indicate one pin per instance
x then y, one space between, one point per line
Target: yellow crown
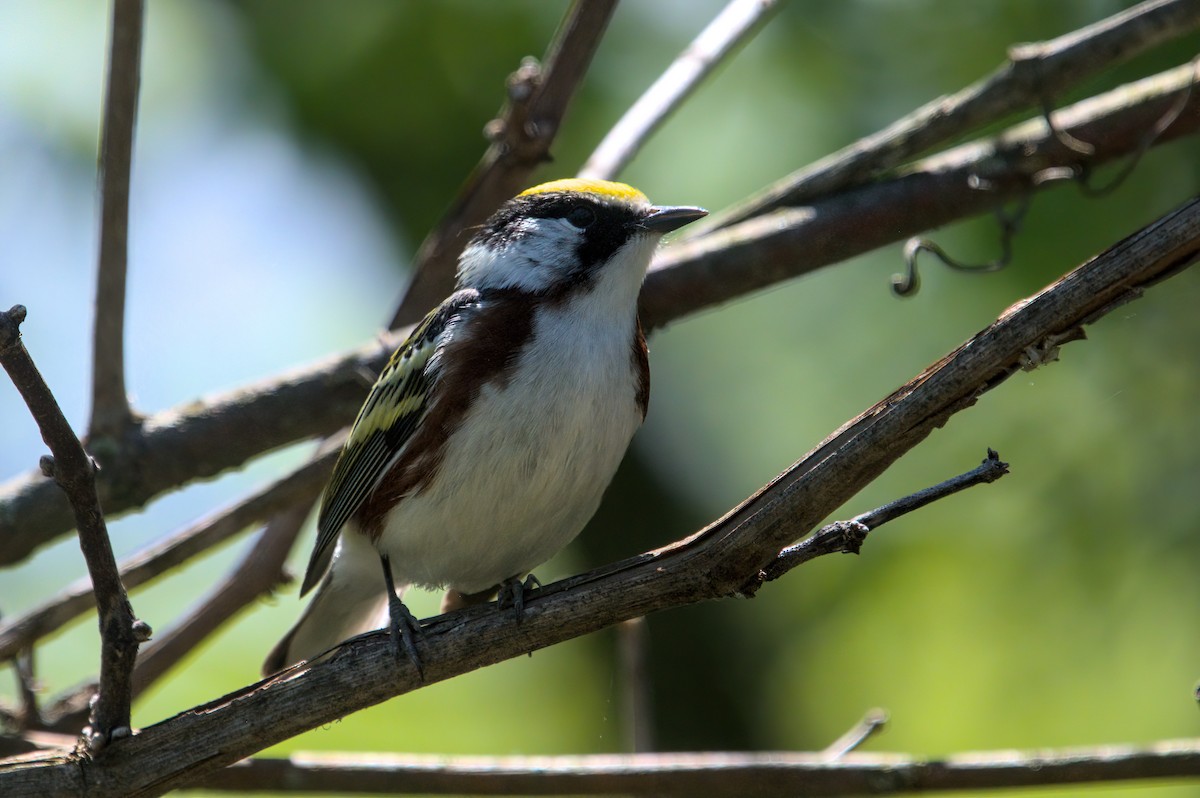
601 188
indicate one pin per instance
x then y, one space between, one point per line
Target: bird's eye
581 216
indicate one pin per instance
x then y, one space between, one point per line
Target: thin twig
74 472
767 774
848 536
111 414
203 438
538 98
1033 73
736 24
30 715
712 563
163 555
867 727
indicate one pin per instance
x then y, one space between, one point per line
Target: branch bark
1033 75
767 774
956 184
737 23
111 414
204 438
73 471
716 562
538 97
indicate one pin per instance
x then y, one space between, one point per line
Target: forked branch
74 471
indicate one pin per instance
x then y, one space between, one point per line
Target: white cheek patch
535 260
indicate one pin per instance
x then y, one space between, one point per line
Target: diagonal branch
736 24
715 562
538 97
74 472
111 414
956 184
1033 74
771 774
206 437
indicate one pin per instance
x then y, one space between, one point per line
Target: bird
491 434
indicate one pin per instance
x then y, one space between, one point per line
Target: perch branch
538 97
74 472
111 414
715 562
736 24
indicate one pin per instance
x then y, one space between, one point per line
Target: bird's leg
512 593
403 626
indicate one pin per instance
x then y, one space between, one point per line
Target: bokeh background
291 155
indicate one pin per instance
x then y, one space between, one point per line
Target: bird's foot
404 629
403 626
512 594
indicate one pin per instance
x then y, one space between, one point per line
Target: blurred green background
290 157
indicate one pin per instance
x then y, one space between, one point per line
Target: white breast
526 469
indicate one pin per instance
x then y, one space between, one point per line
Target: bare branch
74 472
848 536
204 438
956 184
867 727
166 554
713 563
736 24
111 414
1034 74
1028 333
767 774
30 715
521 137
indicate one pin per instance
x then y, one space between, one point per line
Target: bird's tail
350 600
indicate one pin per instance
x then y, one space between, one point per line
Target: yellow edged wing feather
394 409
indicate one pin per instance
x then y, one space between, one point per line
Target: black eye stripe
610 226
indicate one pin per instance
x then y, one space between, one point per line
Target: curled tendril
909 282
1082 173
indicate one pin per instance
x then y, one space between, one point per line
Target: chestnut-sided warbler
486 443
